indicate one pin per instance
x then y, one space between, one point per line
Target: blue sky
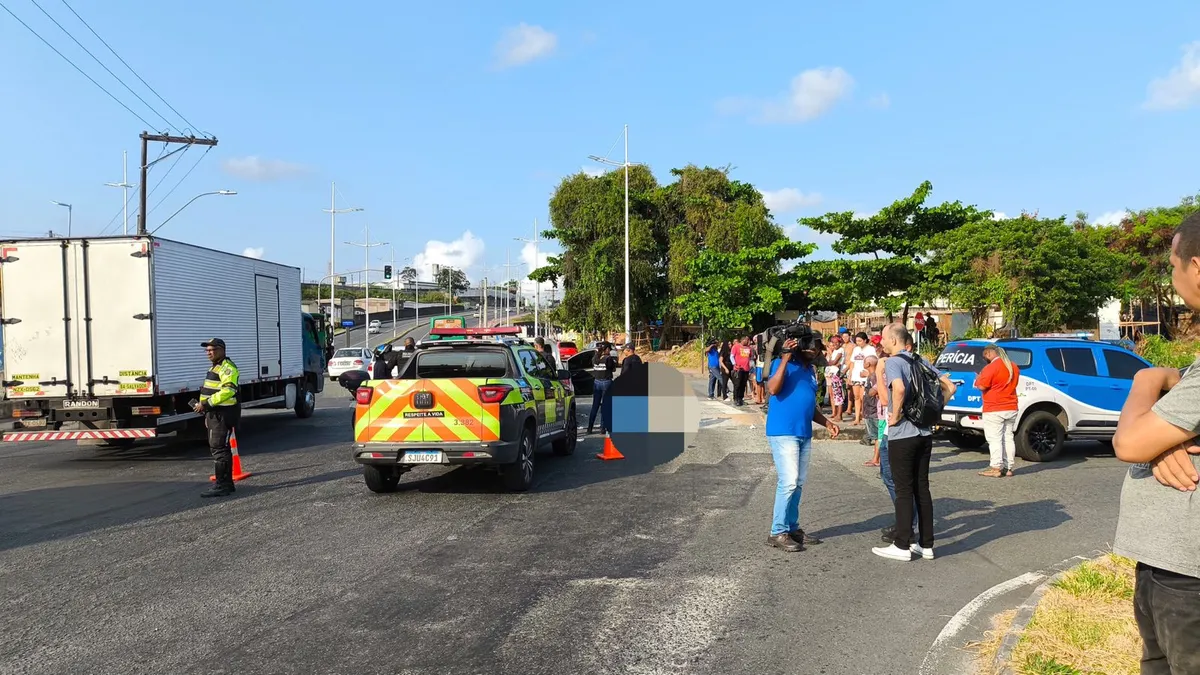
461 118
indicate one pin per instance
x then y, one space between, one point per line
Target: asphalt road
354 336
110 562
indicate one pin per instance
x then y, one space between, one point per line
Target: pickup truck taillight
493 393
362 395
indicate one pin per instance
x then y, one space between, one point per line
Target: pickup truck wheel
380 480
306 401
566 445
518 476
1040 437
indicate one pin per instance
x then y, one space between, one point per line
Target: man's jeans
885 472
791 454
714 380
1000 429
601 404
1167 608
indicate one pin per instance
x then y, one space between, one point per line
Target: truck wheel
1040 437
380 480
566 445
518 476
965 441
306 401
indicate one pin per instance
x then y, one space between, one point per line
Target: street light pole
537 287
367 245
333 211
626 164
124 185
69 209
202 194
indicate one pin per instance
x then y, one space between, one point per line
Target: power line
135 74
158 184
180 182
106 68
72 63
128 200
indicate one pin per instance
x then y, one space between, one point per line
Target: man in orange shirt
998 383
741 354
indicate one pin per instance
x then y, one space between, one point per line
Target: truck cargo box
84 318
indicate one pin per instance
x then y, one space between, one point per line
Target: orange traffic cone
238 474
610 450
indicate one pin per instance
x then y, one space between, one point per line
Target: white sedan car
374 326
351 358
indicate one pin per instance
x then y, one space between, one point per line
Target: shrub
1168 353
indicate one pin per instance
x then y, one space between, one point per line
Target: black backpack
923 400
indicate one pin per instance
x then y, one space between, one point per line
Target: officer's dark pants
221 422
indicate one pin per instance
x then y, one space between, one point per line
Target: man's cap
876 339
215 342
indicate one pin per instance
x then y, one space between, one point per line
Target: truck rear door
36 302
113 290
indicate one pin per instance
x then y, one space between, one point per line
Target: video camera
802 333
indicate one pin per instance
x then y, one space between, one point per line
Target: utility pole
366 245
392 283
147 138
124 185
333 211
537 288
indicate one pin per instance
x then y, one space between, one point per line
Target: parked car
350 358
1069 389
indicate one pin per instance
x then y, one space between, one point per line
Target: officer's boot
224 483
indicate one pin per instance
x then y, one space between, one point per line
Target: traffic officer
222 412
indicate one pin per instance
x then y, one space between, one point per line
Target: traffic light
387 271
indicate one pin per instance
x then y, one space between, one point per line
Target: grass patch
986 649
1168 353
1084 624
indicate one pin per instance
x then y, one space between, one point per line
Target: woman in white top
833 378
858 372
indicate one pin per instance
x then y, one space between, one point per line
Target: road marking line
963 617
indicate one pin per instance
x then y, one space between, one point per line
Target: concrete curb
1001 663
752 413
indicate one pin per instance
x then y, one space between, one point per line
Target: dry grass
986 649
1084 624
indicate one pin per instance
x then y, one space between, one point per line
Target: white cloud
1180 88
594 171
863 215
524 44
999 215
262 170
251 252
786 200
462 253
1111 218
813 93
881 101
528 287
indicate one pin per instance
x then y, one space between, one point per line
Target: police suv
1069 388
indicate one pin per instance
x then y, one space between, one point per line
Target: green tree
455 279
742 289
408 275
896 244
1044 274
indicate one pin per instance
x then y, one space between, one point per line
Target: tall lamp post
69 208
333 212
626 164
366 245
537 287
227 193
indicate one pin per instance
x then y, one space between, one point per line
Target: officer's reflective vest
220 385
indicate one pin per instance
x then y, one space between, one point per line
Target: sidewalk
753 415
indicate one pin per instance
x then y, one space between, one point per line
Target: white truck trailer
101 335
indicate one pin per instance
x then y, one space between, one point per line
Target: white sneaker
892 552
926 553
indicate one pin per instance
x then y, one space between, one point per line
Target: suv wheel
518 476
380 480
566 445
965 441
1040 437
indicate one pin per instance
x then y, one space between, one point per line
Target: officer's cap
215 342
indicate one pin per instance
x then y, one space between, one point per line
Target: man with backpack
917 393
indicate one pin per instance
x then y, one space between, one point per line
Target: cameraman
791 412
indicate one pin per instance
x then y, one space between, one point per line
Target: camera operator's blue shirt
790 412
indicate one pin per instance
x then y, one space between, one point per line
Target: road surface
354 336
111 563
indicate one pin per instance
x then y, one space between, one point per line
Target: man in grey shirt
1159 522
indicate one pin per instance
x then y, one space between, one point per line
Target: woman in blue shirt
791 413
